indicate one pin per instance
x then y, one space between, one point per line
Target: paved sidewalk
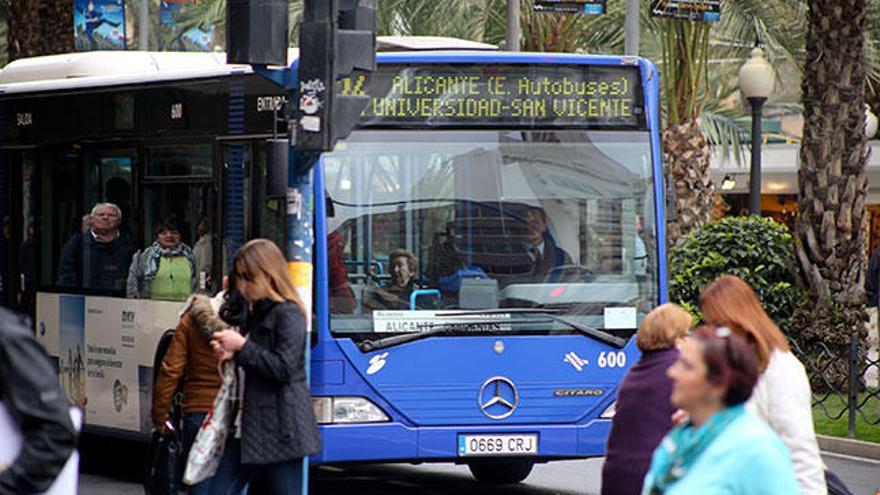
850 447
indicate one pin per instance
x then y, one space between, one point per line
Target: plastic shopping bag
207 449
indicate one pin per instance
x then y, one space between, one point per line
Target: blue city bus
486 241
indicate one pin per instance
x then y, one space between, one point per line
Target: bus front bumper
395 442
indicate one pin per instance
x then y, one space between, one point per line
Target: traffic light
336 38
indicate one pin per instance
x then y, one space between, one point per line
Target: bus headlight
329 410
608 413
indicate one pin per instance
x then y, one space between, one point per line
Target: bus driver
543 251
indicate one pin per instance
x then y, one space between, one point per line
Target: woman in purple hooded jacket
643 411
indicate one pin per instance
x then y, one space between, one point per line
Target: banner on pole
692 10
99 24
589 7
197 39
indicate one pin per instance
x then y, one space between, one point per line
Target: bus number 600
612 359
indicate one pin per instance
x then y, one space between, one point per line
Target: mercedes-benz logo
498 397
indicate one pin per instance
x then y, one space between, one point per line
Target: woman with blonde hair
782 396
275 425
643 410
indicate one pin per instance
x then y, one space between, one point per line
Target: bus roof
113 68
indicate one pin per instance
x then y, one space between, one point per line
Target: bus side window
90 253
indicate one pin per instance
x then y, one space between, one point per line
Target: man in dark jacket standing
100 257
30 392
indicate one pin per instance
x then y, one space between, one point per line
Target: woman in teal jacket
721 449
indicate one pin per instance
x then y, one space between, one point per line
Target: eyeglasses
243 276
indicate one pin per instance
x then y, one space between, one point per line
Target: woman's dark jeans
232 477
191 424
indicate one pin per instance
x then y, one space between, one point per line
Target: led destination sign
500 96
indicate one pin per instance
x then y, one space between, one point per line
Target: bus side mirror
276 167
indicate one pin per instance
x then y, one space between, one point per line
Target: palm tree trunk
39 27
832 227
687 153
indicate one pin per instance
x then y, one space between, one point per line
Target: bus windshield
428 225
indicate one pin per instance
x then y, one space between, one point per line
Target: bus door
247 211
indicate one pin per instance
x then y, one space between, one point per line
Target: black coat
89 264
30 391
277 420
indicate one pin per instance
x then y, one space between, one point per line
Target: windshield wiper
458 326
551 313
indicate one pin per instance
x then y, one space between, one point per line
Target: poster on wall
197 39
111 364
99 24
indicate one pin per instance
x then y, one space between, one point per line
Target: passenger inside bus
341 296
85 222
99 258
164 270
397 291
203 253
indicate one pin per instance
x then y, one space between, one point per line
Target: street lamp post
513 27
756 83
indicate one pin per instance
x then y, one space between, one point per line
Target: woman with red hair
782 396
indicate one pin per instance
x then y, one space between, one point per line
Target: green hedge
758 250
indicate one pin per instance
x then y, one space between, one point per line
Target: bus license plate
497 445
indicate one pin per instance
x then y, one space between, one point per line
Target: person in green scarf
165 269
721 448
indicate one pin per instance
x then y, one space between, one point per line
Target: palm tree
37 27
687 49
831 180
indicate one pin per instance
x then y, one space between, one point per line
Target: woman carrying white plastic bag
206 451
275 426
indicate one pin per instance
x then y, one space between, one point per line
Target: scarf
682 446
155 253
